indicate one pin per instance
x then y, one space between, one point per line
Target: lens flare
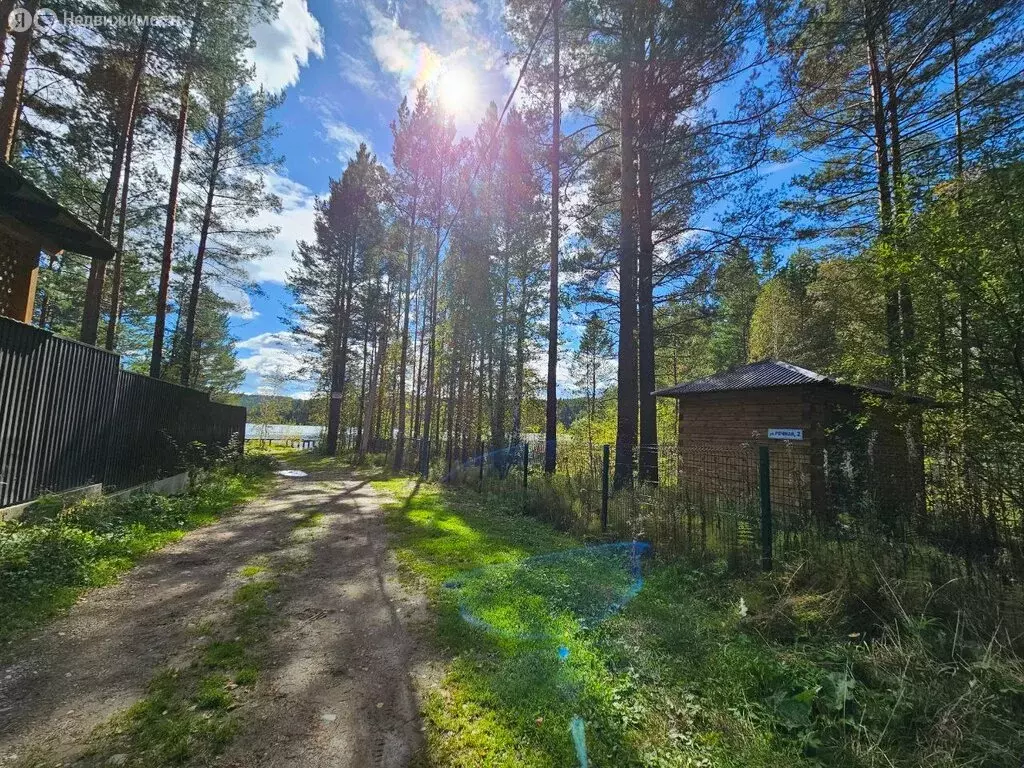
456 89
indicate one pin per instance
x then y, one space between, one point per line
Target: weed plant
60 548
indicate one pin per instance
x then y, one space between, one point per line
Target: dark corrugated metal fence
69 416
155 422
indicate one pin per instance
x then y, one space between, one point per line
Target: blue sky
345 66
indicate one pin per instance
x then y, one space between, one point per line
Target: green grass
438 538
310 520
189 715
686 674
57 551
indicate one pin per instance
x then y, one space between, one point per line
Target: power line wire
497 128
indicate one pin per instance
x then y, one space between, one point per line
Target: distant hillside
569 408
277 409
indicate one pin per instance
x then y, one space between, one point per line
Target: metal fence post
764 484
526 465
605 461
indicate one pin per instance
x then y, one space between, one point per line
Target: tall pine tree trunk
963 287
383 370
204 233
363 410
181 130
551 401
501 396
648 464
628 404
520 384
373 407
346 324
14 85
420 311
884 190
6 7
465 405
962 278
428 407
97 269
122 224
404 363
334 404
453 402
480 404
900 212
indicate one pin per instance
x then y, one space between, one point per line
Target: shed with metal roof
835 443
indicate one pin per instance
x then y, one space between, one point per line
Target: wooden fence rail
69 416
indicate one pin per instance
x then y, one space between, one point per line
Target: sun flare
456 88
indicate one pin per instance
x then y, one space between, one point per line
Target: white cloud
455 14
242 305
611 283
538 363
294 223
773 168
284 45
345 137
247 313
357 72
273 354
399 53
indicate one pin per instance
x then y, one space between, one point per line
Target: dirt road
335 686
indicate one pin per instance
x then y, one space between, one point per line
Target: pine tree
333 269
230 166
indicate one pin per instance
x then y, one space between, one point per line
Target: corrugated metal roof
766 374
760 375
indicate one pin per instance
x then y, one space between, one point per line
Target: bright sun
457 90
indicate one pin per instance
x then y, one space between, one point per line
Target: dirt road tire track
335 689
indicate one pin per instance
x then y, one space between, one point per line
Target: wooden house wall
19 268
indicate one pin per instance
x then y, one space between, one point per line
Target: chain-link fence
750 505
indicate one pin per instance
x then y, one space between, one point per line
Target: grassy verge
702 668
53 554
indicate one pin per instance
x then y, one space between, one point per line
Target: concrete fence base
169 486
